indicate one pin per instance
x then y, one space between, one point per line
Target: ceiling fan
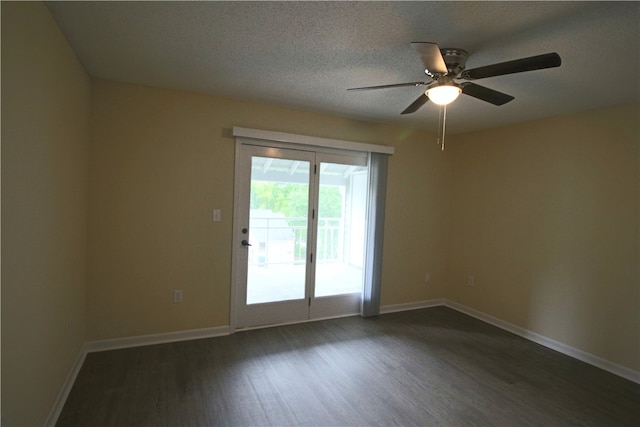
447 65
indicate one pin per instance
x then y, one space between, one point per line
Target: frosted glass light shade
443 95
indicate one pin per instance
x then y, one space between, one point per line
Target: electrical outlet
471 281
217 215
177 296
427 278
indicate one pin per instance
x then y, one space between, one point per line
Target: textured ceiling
306 54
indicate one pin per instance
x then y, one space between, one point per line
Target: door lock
245 243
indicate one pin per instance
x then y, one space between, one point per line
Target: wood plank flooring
429 367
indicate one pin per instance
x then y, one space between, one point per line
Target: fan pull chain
442 123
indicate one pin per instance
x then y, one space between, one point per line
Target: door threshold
295 322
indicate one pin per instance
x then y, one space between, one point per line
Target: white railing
284 240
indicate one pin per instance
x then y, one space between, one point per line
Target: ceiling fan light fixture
444 94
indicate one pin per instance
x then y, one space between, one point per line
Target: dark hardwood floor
429 367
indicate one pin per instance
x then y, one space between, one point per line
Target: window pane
341 229
277 230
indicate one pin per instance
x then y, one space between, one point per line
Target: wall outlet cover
177 296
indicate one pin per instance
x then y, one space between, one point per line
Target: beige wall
45 133
545 217
161 160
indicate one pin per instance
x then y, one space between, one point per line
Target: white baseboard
118 343
411 306
558 346
583 356
164 338
52 419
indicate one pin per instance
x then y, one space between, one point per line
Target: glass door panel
278 223
340 236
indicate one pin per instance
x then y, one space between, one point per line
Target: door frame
246 136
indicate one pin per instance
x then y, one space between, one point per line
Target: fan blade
484 93
415 105
389 86
539 62
431 57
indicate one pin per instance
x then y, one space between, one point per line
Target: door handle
245 243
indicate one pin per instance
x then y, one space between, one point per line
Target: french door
300 238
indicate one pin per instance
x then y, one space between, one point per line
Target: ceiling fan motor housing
455 59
